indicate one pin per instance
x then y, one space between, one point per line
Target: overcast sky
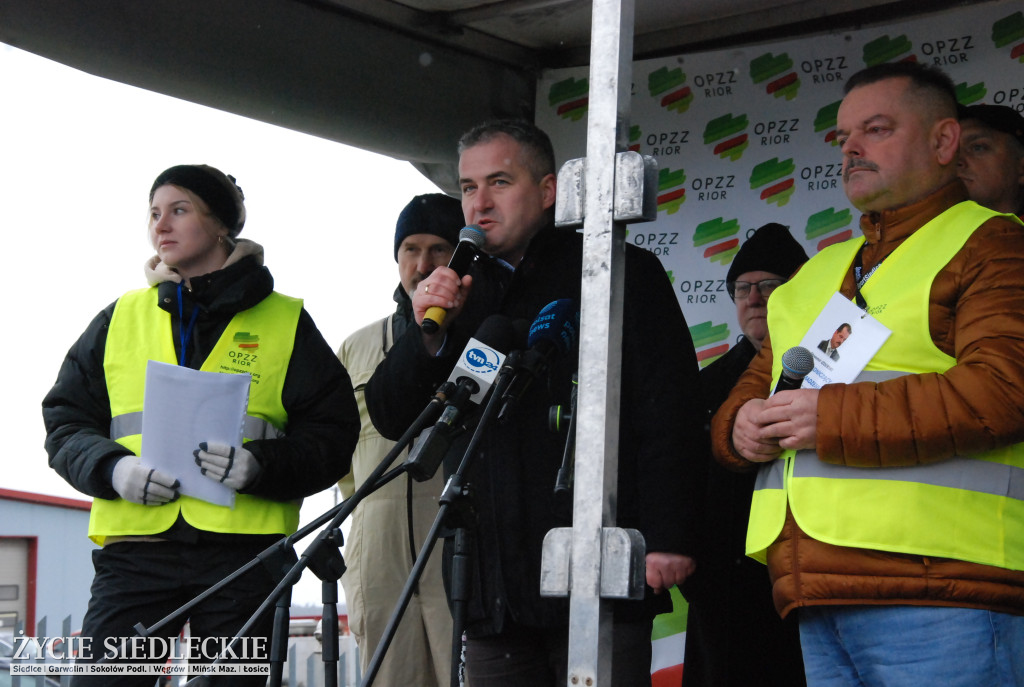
79 154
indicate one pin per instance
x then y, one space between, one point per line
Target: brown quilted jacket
976 314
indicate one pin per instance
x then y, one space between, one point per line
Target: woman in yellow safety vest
210 306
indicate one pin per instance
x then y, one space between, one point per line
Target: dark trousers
143 582
734 636
539 657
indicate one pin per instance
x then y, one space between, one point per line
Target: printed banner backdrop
744 137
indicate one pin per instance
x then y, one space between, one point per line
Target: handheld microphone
471 240
552 334
797 363
473 376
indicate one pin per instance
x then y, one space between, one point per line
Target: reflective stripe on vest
253 428
258 341
967 508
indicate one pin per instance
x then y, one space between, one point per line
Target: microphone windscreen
474 234
558 323
498 332
797 362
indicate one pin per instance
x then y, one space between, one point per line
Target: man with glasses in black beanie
729 590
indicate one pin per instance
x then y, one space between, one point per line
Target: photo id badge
842 339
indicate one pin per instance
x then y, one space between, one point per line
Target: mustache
855 163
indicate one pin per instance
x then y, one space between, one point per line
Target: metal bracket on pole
622 563
635 193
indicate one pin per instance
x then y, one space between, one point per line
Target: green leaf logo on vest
246 340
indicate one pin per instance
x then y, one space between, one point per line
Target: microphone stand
563 481
322 557
455 511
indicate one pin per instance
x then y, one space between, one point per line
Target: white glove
146 486
233 466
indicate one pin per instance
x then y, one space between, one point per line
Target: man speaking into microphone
514 636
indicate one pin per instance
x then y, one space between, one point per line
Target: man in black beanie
734 636
391 524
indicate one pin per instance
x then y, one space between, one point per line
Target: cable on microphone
471 240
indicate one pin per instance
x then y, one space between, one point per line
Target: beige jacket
378 551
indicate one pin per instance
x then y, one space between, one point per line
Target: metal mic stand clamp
326 562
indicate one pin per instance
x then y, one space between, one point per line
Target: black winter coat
514 470
323 421
730 591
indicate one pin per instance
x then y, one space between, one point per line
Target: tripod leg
279 639
330 632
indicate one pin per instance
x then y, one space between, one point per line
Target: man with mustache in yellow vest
890 510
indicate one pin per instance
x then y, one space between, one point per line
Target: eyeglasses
741 289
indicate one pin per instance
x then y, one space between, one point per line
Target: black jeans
143 582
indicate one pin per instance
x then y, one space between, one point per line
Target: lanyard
860 281
185 332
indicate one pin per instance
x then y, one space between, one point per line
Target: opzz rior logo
483 359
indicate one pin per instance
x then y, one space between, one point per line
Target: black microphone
797 363
471 240
473 376
552 334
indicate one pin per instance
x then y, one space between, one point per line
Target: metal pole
597 442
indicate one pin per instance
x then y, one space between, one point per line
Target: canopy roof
402 78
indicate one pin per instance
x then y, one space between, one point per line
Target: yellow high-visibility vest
968 508
258 341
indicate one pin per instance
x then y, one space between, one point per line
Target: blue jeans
910 646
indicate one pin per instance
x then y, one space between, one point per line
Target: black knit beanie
431 213
770 249
218 190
